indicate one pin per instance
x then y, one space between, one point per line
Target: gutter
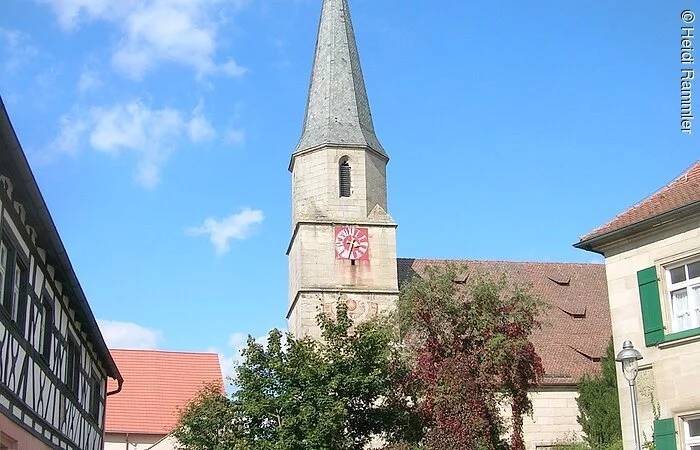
120 383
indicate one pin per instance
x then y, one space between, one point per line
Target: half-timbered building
54 363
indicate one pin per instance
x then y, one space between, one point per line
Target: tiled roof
576 328
682 191
156 385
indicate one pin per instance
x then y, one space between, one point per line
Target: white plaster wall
118 441
670 370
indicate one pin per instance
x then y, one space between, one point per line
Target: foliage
205 423
598 404
573 443
471 352
331 394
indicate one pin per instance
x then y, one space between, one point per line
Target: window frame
344 174
95 396
14 308
46 327
669 287
4 269
688 440
73 362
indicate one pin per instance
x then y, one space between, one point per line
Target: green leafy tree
332 394
598 404
205 423
471 352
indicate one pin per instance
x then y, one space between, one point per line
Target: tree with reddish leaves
470 356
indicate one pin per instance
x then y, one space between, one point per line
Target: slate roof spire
337 109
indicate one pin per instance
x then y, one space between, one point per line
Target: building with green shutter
652 262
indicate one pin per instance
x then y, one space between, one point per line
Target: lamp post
628 357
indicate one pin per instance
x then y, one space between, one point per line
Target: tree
598 404
331 394
205 423
471 353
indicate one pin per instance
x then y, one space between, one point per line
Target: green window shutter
651 306
665 434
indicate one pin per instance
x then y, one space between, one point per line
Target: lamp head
629 357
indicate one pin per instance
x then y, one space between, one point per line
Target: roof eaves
594 243
39 205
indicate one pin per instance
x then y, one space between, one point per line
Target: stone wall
669 371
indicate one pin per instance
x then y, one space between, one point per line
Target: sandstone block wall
669 371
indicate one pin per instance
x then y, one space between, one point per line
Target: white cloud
70 134
129 335
18 50
236 226
156 31
234 137
199 127
232 68
151 134
89 81
70 13
232 357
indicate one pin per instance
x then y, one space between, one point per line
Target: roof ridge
174 352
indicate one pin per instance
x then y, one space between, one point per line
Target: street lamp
628 357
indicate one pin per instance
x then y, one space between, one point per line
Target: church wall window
344 180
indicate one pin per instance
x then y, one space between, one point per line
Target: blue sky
160 132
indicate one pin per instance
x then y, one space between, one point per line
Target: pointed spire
337 110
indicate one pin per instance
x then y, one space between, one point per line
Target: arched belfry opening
344 177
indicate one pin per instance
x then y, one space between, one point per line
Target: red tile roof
156 384
682 191
576 328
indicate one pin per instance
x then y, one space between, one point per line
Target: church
343 239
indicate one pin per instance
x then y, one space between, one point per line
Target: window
3 269
46 333
43 326
95 396
16 291
13 284
680 305
73 366
344 177
683 284
691 432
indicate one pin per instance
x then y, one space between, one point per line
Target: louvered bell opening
345 179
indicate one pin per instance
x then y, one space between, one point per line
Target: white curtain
681 310
696 297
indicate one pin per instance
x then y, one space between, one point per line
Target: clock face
351 242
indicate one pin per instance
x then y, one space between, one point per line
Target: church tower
343 243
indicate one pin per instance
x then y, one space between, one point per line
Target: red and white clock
351 243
